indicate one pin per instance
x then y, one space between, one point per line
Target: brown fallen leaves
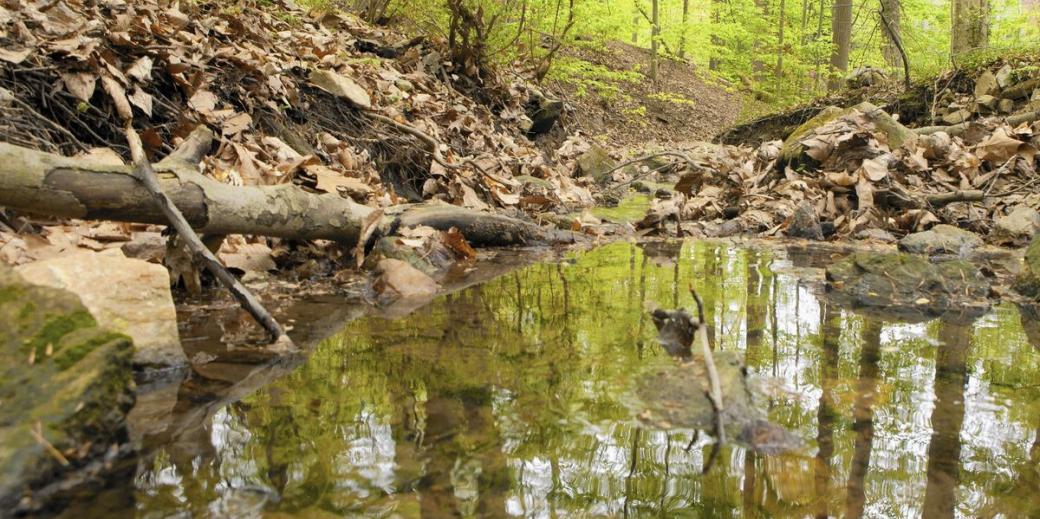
854 180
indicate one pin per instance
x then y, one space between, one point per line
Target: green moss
10 293
76 347
57 327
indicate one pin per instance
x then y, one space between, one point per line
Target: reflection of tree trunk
830 332
443 418
633 463
863 417
756 308
944 450
749 501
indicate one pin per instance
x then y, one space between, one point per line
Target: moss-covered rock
596 163
895 133
1028 281
65 388
905 283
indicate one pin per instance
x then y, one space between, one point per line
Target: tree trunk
841 32
716 40
635 22
655 35
43 183
682 34
780 53
970 26
819 34
889 48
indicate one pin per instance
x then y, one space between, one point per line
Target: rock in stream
64 394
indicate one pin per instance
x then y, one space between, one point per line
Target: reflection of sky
592 470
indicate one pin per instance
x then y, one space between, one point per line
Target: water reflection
510 399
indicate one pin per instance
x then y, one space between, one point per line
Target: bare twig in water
714 392
146 175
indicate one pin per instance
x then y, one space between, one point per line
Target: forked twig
146 175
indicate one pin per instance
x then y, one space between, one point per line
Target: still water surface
511 399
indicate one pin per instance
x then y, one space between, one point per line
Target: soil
705 110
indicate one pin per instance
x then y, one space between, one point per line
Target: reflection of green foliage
521 389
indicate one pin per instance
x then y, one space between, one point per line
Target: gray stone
906 283
1018 227
876 234
941 239
804 223
986 103
125 295
341 86
596 163
986 84
956 116
62 373
1003 76
1005 106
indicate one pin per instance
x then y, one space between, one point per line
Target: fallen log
48 184
957 129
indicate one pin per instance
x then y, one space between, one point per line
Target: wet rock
875 234
986 84
804 223
941 239
1028 281
596 163
399 279
125 295
903 282
543 112
1018 227
65 388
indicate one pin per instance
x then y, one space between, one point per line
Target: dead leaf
456 241
80 84
118 95
341 86
368 227
141 69
14 56
203 101
142 100
998 147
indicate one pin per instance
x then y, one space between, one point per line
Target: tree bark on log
957 129
54 185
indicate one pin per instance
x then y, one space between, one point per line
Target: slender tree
889 48
682 33
780 52
655 36
841 32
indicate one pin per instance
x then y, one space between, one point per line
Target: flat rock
125 295
941 239
65 375
1005 106
876 234
986 84
956 116
1003 76
900 282
986 103
1018 227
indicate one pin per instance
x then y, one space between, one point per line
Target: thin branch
899 45
715 388
146 175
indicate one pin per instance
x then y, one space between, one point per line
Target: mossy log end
53 185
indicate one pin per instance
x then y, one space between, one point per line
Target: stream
514 398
